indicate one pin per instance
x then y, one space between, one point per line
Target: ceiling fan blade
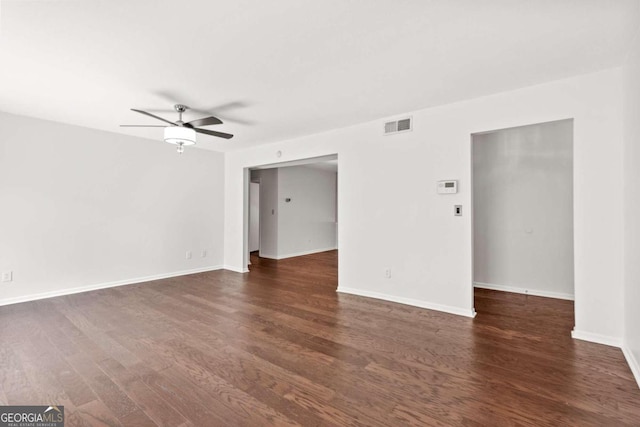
142 126
214 133
205 121
153 115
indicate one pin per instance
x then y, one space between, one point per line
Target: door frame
294 162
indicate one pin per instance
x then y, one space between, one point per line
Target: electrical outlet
387 273
188 255
203 254
7 276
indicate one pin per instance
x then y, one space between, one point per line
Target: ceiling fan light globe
179 135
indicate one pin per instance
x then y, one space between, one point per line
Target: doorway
292 209
254 216
522 191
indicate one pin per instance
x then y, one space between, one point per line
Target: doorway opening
522 216
292 215
254 216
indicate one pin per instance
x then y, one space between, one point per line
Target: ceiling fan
183 133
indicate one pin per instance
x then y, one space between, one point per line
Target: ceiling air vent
402 125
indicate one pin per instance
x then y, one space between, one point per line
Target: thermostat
447 187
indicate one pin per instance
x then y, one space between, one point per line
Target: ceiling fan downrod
180 108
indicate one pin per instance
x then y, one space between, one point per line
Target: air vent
402 125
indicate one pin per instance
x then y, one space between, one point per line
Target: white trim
534 292
266 255
235 269
409 301
292 255
61 292
313 251
633 363
596 338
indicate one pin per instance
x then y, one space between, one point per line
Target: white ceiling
278 69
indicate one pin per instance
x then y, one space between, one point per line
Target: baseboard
596 338
235 269
632 362
266 255
313 251
534 292
409 301
52 294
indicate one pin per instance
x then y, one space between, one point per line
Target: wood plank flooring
278 346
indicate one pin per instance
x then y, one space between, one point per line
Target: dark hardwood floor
278 346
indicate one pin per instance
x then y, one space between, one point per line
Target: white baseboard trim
77 290
236 269
313 251
409 301
534 292
632 362
266 255
596 338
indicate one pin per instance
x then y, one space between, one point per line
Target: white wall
81 208
523 209
632 209
254 216
387 219
307 223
